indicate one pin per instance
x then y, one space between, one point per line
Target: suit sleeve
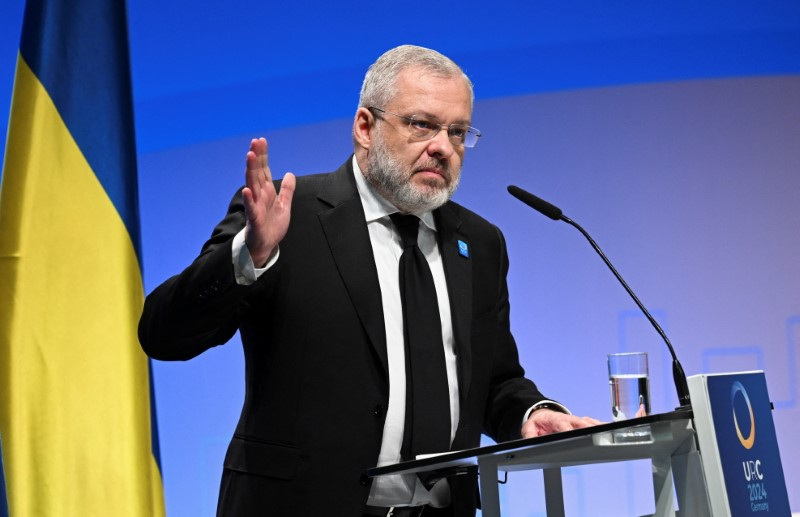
511 394
198 308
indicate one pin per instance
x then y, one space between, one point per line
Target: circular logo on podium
747 443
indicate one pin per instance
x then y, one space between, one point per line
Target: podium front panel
736 433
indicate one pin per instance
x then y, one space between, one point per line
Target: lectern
693 456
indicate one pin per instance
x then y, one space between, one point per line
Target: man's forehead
430 92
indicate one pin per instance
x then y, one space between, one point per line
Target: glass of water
630 385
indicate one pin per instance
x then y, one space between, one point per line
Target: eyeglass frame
469 131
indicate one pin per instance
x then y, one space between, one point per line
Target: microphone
555 213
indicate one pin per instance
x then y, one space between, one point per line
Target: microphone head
537 203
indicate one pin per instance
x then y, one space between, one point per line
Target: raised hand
267 212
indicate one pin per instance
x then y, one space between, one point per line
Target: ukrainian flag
75 392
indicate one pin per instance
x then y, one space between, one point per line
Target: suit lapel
346 232
458 272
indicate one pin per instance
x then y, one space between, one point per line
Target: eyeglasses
423 129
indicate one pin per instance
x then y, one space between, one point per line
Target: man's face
417 176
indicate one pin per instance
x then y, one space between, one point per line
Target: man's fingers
257 173
247 199
264 154
557 422
568 424
251 163
580 422
287 190
253 174
260 148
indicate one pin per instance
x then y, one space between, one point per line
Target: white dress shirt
387 249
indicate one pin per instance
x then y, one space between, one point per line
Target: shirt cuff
550 404
244 270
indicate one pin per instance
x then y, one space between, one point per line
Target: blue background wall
668 129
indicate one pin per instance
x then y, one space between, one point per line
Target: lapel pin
463 248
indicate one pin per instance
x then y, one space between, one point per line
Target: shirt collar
375 206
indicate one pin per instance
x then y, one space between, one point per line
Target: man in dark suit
320 307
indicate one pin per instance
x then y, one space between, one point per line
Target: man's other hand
547 421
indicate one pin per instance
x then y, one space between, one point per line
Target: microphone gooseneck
555 213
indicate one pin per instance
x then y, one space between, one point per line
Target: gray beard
386 175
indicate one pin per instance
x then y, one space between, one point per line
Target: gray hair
380 84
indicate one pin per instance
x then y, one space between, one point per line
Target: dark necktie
427 425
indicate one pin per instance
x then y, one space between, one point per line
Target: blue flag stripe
90 38
3 496
156 444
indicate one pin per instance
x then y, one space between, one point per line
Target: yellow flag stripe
76 416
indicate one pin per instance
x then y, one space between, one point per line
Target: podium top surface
548 442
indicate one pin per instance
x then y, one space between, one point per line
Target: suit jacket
315 350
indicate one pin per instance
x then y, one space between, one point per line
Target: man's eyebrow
432 117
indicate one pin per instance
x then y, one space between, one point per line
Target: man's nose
440 144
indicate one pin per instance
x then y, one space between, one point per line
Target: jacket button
365 480
379 410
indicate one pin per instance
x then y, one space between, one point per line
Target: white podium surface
668 440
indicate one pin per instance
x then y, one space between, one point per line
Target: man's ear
362 127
